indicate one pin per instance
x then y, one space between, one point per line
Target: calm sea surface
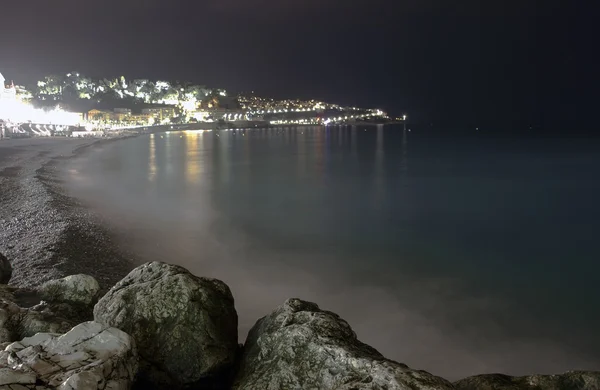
457 255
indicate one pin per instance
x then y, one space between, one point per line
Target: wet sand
45 233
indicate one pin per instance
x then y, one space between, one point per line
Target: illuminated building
7 93
100 116
121 116
160 114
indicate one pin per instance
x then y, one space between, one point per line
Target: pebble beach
44 232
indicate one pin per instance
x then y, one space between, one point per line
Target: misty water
457 255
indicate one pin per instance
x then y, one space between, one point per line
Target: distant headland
63 104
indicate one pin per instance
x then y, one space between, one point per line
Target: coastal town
73 104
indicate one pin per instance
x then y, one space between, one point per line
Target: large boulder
91 356
79 289
185 326
5 270
300 346
574 380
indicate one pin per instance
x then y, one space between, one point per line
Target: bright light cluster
19 112
312 121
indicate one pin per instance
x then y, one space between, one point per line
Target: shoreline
46 233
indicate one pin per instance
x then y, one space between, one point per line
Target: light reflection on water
193 153
461 264
152 158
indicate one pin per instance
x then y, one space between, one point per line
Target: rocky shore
162 327
75 312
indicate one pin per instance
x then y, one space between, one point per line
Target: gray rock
33 322
5 270
72 289
300 346
17 322
574 380
185 326
77 313
7 293
23 314
91 356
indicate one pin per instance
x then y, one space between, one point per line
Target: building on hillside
100 116
117 115
136 120
141 119
122 117
160 114
7 93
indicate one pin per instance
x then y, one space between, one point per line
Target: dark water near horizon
457 255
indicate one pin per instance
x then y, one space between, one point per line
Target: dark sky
487 60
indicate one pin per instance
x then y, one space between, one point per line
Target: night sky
503 62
